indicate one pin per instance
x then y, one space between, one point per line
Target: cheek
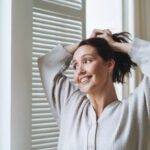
95 69
75 77
99 70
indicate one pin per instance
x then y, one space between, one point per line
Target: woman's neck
102 98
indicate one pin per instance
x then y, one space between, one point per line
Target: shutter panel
54 21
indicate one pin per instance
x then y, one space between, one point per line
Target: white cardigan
123 125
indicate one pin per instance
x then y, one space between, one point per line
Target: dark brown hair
123 62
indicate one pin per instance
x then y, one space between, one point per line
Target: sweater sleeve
57 87
140 54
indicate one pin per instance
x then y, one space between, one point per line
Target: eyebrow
82 57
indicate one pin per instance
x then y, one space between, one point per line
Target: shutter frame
47 32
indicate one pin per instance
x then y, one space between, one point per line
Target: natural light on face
90 71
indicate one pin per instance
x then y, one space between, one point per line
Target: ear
111 65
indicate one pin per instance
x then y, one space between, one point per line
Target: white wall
104 14
15 74
21 75
5 74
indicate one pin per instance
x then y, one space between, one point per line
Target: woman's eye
75 66
87 61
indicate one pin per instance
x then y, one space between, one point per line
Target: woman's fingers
96 32
108 31
105 34
99 32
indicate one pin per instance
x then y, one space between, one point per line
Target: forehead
85 50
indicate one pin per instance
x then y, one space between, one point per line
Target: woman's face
91 72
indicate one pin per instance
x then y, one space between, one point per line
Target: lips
85 79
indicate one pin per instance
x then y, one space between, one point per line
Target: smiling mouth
85 80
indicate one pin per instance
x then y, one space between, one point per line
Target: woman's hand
107 35
72 48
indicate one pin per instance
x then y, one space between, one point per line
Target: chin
86 90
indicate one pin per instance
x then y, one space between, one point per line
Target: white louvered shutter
54 21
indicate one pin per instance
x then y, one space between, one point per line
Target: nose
81 70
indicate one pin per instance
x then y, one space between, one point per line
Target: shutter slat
45 145
40 50
62 10
38 120
35 74
44 140
38 96
49 31
44 115
44 110
37 17
45 135
43 105
37 90
72 4
39 100
55 39
44 130
39 126
52 148
47 38
48 28
38 85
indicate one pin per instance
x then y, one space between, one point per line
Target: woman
99 121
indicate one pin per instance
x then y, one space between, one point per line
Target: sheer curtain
136 20
142 19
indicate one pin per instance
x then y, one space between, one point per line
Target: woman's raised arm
139 52
57 87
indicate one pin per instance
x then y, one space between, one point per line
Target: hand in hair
106 34
120 46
